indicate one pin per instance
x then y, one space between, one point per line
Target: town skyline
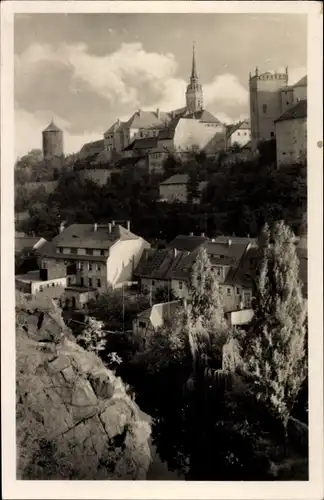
107 66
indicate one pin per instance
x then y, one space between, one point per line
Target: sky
87 70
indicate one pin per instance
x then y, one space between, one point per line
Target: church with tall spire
194 94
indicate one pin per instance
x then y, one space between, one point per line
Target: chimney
113 223
203 235
109 227
158 113
128 225
229 242
95 227
191 234
175 252
62 227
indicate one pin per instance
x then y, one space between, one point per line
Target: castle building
271 97
52 142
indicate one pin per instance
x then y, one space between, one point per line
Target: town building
52 142
165 268
175 189
238 134
157 316
92 258
270 97
291 135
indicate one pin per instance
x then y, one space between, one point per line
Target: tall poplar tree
276 355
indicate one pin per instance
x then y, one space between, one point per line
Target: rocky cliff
74 417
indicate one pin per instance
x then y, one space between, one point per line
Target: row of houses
85 260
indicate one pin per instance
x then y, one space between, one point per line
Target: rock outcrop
74 417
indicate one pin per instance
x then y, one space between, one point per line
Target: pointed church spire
194 71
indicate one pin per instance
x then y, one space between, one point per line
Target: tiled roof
238 126
84 236
176 179
298 111
117 126
52 128
187 243
165 264
219 251
203 116
92 148
146 143
148 119
302 82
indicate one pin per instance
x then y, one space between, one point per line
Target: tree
205 294
164 294
93 336
276 356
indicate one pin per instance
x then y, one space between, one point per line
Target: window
61 250
98 283
102 252
98 267
82 281
287 102
81 266
153 282
229 291
264 108
74 250
237 291
89 251
90 281
142 324
218 271
53 284
90 266
69 281
271 134
141 134
180 285
238 133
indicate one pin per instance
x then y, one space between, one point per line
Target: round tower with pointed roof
52 142
194 94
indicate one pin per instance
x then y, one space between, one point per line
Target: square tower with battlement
265 104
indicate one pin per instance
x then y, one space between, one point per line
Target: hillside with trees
239 198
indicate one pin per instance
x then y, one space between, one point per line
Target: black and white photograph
160 281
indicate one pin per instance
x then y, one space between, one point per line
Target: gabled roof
117 126
146 143
52 128
165 264
92 148
298 111
244 125
148 119
187 242
203 116
85 236
176 179
302 82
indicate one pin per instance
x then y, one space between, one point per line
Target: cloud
28 133
88 92
225 89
